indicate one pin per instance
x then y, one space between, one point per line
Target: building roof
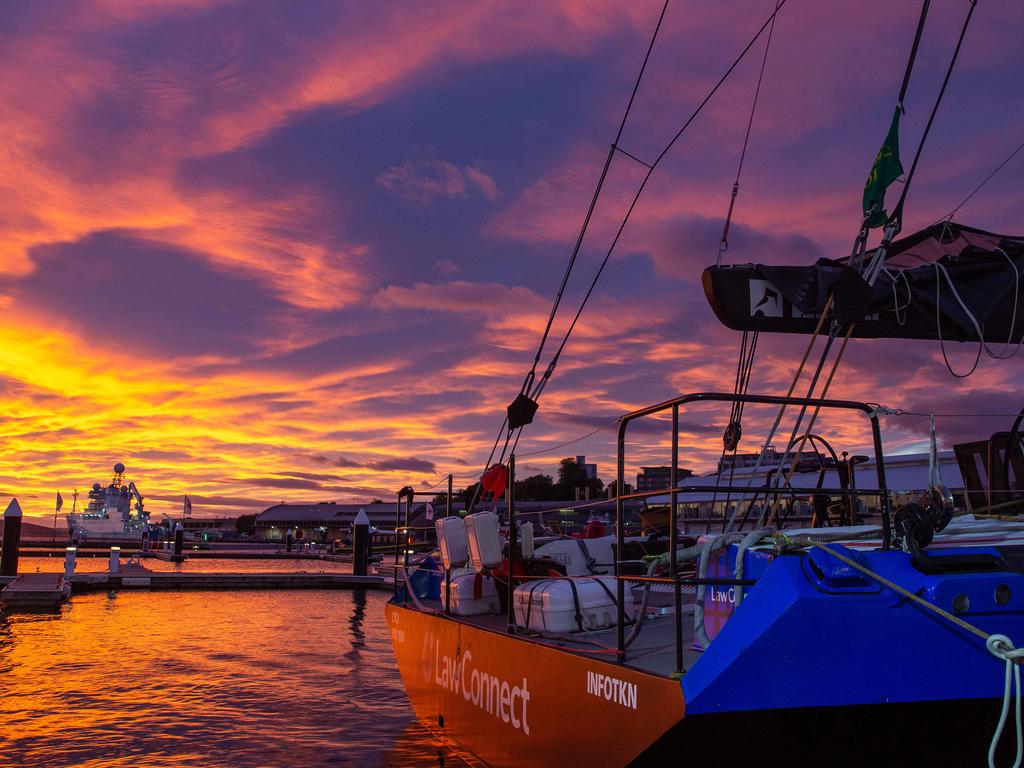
903 472
323 513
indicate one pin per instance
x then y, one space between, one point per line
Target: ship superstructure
111 513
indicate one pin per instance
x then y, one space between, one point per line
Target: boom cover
947 278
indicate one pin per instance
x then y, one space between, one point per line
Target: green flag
885 171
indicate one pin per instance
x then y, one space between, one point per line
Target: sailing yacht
769 640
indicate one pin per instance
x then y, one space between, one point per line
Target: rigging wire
998 168
636 197
894 219
531 374
821 399
538 388
892 227
789 393
856 259
897 213
745 362
913 53
901 412
444 479
568 442
734 430
593 203
723 244
744 370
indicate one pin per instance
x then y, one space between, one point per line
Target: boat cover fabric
914 297
452 540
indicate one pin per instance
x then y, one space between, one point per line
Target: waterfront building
561 516
769 458
201 528
656 478
568 516
590 470
322 521
210 528
748 460
906 474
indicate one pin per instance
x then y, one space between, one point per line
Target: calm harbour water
275 678
83 564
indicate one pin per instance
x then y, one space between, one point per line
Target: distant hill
36 531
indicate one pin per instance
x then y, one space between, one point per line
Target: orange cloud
361 376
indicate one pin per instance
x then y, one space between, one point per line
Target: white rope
938 321
940 271
1001 647
934 478
708 548
896 307
739 570
1013 322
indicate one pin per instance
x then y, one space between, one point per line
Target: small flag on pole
60 501
188 506
430 512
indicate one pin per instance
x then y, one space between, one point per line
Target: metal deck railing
747 493
674 491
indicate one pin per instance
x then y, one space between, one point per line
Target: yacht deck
652 651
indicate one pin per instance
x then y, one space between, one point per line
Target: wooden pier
47 590
199 554
34 590
141 578
170 557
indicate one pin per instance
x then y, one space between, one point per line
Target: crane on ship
134 491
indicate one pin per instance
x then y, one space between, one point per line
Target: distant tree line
541 487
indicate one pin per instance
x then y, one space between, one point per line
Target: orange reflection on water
206 678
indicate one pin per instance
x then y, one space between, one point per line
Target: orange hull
513 702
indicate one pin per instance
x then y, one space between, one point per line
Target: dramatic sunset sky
264 251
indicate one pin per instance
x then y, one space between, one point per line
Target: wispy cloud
260 246
424 181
